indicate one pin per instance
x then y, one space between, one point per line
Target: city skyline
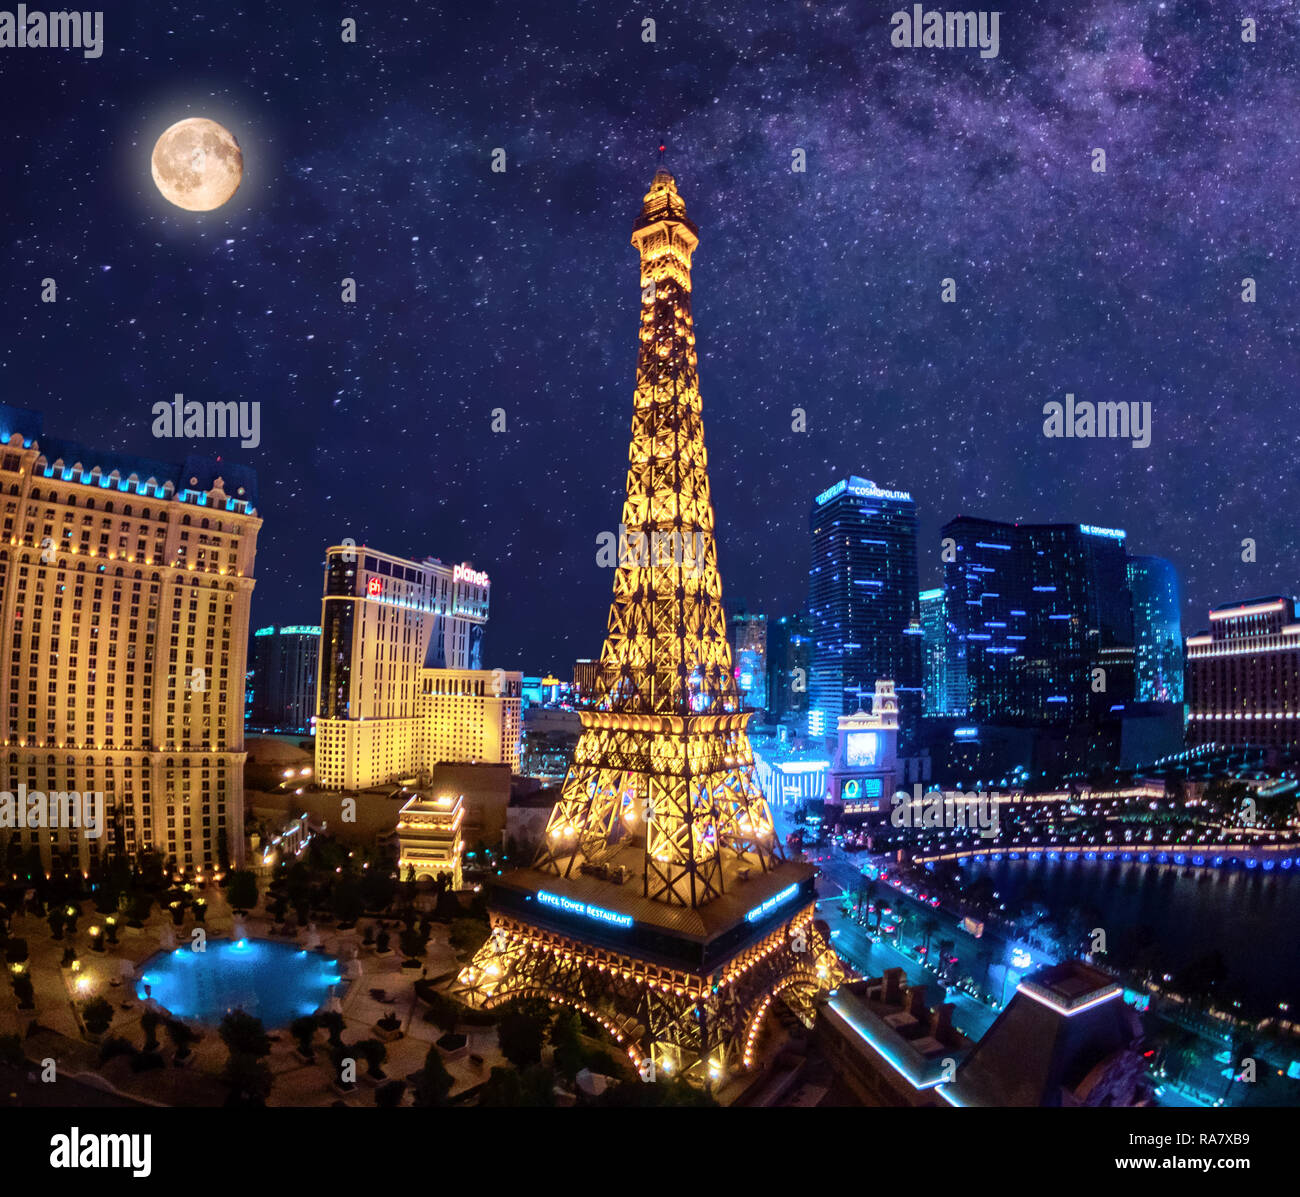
372 374
821 289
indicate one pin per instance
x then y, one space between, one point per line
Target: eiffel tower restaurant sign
660 903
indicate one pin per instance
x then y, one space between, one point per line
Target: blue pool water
275 982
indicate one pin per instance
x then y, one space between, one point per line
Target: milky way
818 290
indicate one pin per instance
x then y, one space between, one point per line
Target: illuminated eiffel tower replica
660 903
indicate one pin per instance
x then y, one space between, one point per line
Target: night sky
819 290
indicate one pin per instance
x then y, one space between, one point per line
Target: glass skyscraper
1157 629
789 660
863 603
283 666
935 641
1040 622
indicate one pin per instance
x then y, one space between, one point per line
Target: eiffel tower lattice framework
659 902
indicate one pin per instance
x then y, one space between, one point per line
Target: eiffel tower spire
681 967
663 776
667 649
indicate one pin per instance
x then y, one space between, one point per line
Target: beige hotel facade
125 586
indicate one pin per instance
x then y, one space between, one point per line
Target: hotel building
863 604
1157 630
125 586
862 777
789 663
283 668
935 637
1243 676
400 685
1031 611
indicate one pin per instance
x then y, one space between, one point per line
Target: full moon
197 164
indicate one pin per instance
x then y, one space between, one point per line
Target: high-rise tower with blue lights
1157 629
863 603
1040 621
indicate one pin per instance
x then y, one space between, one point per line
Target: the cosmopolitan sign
863 489
586 909
772 903
463 573
1109 533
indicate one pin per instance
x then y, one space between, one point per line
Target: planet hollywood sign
463 573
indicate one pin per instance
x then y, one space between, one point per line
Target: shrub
304 1031
244 1035
114 1046
11 1051
468 935
97 1014
434 1082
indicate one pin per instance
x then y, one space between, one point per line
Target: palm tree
985 958
928 928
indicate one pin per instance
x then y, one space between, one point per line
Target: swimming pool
275 982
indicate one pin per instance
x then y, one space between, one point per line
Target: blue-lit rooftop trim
883 1049
104 481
